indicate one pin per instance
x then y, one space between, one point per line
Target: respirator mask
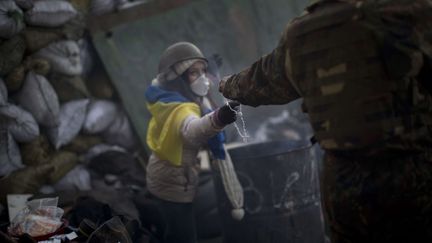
200 86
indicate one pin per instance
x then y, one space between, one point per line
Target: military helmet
178 52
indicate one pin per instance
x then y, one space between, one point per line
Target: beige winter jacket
179 183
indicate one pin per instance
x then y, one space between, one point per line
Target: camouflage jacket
362 67
269 80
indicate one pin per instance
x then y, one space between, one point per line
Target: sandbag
120 132
25 4
20 123
26 180
100 7
76 179
62 162
81 5
15 79
99 149
82 143
48 13
101 114
86 55
39 98
11 54
37 38
36 152
63 56
99 85
3 93
68 88
10 157
72 116
75 28
11 19
37 65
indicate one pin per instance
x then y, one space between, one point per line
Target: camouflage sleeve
265 82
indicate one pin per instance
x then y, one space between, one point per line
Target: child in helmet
182 122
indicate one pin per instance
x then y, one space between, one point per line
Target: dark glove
226 115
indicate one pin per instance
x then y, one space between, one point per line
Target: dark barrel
282 202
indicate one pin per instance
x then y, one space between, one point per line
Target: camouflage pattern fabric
378 193
382 199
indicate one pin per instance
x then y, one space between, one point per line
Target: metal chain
239 113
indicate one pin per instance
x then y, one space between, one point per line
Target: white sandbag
20 123
72 117
11 19
63 56
86 56
100 149
39 98
120 132
10 157
25 4
100 116
3 93
48 13
100 7
76 179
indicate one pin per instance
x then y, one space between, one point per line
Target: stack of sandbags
38 39
58 109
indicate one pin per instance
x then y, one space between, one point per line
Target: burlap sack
36 152
82 143
68 88
11 54
37 65
15 79
62 162
38 38
26 180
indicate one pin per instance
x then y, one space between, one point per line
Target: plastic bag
101 114
3 93
72 116
20 123
48 13
11 19
63 56
10 157
39 98
40 217
112 231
